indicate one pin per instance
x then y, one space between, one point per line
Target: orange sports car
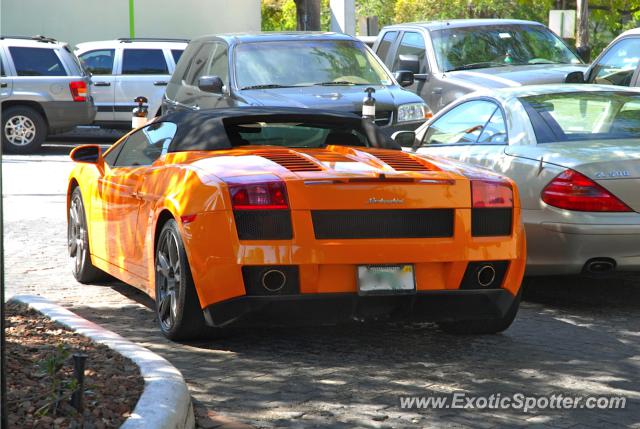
287 215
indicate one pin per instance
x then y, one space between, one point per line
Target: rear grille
491 222
399 161
289 160
263 224
351 224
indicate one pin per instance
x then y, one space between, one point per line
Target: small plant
59 388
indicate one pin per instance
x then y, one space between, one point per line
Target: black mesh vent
423 223
263 224
491 222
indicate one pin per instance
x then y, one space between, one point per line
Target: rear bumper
334 308
556 248
64 115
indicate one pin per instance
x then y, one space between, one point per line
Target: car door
143 72
6 82
119 201
473 132
100 63
618 64
410 55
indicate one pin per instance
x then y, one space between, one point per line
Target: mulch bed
40 376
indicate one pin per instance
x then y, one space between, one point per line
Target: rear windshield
294 134
584 115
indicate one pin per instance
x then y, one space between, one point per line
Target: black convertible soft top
207 129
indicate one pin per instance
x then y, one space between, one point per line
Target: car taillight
267 195
571 190
491 194
78 90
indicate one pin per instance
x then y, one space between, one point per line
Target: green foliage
278 15
58 387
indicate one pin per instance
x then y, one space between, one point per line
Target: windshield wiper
267 86
483 65
339 83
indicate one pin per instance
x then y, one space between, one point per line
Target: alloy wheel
20 130
168 279
77 234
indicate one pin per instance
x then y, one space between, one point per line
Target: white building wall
76 21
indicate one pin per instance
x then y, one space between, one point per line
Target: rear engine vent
263 224
400 161
491 222
289 160
350 224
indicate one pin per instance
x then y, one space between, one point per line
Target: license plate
386 279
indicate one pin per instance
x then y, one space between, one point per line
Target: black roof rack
38 38
150 39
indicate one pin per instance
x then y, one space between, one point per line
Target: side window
385 44
36 62
617 66
495 131
176 54
215 64
411 47
465 124
199 62
2 72
145 146
98 62
144 61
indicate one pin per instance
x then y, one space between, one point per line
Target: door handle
102 84
3 85
160 83
437 90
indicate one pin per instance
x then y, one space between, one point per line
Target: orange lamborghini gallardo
255 215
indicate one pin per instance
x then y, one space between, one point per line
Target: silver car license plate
386 279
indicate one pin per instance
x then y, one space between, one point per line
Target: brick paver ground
574 337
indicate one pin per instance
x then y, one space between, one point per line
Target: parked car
319 70
618 63
574 152
278 215
124 69
443 60
43 91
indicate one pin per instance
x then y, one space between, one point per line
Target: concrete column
343 16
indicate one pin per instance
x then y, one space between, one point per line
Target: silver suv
43 90
124 69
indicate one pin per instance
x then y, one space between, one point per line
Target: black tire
23 130
483 326
78 242
177 306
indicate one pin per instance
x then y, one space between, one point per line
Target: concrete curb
165 402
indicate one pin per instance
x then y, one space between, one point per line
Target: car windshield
294 134
305 63
498 45
584 115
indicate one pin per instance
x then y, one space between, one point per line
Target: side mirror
404 77
211 84
88 154
410 63
404 138
575 77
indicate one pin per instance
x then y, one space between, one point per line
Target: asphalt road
573 336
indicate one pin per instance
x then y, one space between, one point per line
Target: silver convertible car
574 152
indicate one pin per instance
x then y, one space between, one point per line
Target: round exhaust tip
486 275
600 265
273 280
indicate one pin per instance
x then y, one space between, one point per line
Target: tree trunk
582 36
308 15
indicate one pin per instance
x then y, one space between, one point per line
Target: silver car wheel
168 279
20 130
77 235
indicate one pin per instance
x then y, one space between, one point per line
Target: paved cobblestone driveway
574 337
